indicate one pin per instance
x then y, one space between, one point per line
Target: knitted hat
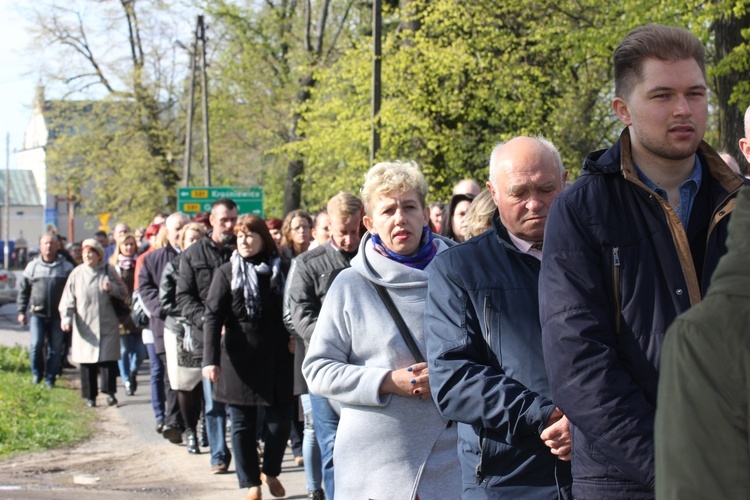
94 244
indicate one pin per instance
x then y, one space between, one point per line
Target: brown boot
274 485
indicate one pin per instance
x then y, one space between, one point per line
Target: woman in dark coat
251 363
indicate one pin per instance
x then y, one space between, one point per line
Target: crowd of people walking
505 344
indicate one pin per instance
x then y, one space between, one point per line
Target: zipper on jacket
616 286
488 332
478 475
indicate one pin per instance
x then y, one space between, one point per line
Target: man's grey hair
541 140
177 217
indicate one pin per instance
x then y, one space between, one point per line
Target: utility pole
200 37
6 224
204 100
189 125
376 88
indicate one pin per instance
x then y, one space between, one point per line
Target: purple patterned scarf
427 251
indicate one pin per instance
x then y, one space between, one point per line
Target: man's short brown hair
344 205
664 43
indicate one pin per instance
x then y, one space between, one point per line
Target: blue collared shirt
688 191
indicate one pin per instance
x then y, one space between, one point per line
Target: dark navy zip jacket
484 350
617 268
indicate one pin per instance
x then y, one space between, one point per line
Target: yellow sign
200 193
192 207
104 219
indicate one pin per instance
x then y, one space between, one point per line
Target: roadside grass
32 417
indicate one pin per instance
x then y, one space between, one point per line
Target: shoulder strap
405 333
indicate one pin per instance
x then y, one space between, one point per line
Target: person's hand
412 381
211 372
292 346
556 435
66 327
22 319
106 284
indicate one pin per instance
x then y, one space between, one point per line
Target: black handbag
122 309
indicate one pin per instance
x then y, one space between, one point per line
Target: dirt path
117 462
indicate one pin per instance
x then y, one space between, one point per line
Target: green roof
23 191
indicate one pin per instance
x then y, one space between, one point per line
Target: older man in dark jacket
484 345
163 398
41 288
197 267
629 246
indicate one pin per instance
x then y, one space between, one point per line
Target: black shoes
129 391
192 442
160 425
111 400
91 403
202 433
172 433
316 495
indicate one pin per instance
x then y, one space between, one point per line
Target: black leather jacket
197 266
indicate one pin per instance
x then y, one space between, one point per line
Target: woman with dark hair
454 217
251 364
274 226
296 236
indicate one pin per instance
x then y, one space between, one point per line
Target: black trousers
107 372
172 414
244 425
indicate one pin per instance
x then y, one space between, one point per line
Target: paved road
137 413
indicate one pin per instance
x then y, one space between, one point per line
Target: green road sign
192 200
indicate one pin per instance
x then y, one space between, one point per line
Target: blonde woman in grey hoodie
391 443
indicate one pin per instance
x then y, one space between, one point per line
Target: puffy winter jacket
617 268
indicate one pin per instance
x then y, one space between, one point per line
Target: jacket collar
618 158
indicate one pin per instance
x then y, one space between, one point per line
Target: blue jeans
310 449
157 382
216 426
326 422
48 329
132 352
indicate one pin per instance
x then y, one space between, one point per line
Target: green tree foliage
476 73
119 158
263 73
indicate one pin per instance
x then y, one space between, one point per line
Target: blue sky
18 77
20 68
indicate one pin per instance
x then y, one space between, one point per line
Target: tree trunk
727 33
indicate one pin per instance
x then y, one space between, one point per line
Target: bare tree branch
321 28
308 26
338 32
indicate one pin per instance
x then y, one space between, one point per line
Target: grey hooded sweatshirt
387 446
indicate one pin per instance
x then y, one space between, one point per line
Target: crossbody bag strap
400 323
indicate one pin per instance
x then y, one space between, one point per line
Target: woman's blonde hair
479 215
396 176
116 254
194 226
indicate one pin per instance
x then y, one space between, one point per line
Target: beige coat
88 308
